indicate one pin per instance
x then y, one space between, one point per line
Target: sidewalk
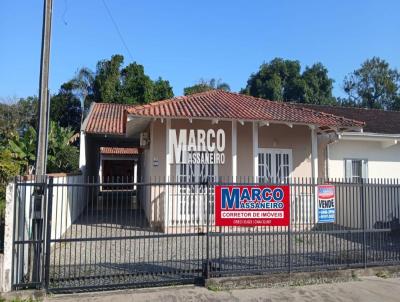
368 289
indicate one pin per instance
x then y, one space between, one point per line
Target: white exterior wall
383 162
68 203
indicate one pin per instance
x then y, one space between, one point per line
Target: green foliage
8 169
162 90
23 149
374 85
318 85
65 107
281 80
17 116
107 79
203 86
62 157
126 85
136 86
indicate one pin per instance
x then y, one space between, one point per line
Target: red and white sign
252 205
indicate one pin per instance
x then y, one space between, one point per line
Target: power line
117 29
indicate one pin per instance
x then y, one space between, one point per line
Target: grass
213 288
19 300
382 274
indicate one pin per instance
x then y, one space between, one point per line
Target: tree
17 116
374 85
23 149
65 107
204 85
83 85
282 80
136 86
8 169
107 79
162 90
62 156
318 85
127 85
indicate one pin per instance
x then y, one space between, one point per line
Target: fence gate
98 236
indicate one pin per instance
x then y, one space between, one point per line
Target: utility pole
44 104
37 207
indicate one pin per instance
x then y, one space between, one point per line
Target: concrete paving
368 289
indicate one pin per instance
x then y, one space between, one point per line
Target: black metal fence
84 235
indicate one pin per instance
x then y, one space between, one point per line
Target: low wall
69 199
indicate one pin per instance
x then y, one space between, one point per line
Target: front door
274 165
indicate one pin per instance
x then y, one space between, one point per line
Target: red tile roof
111 118
376 120
227 105
118 151
107 118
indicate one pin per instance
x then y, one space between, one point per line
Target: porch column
168 201
314 153
82 153
255 151
167 151
135 163
234 151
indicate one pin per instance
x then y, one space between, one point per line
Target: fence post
363 213
207 266
290 233
48 220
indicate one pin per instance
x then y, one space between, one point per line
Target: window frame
364 168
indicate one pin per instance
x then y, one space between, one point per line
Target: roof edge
85 121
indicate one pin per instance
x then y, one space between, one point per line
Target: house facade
264 141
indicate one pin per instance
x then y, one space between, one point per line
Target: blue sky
183 41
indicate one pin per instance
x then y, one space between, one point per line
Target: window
356 169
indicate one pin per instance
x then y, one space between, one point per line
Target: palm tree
83 84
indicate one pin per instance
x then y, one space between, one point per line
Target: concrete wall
244 151
382 162
68 203
297 138
158 202
8 237
382 204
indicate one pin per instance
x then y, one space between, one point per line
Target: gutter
368 135
386 140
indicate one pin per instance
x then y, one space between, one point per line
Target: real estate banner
326 203
252 205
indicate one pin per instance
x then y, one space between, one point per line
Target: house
262 141
372 153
